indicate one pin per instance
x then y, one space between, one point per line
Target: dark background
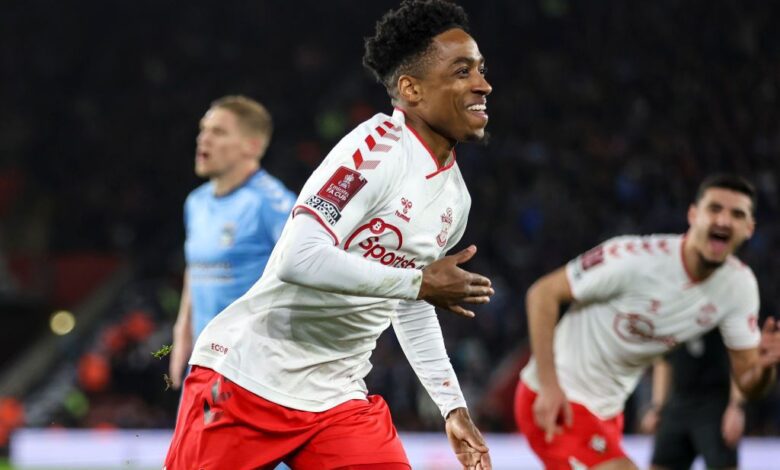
605 116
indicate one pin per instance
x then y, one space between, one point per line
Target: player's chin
713 261
477 135
203 171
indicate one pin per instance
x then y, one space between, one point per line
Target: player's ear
692 211
255 146
409 89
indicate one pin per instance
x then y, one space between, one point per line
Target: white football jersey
383 197
635 301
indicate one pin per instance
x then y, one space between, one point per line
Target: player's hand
466 441
769 347
733 424
649 422
551 411
180 354
445 285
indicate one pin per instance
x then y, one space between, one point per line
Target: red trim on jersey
439 169
688 272
444 168
374 147
383 133
318 219
357 157
613 250
392 126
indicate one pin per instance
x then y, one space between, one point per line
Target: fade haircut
252 116
403 38
730 182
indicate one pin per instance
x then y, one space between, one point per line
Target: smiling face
451 95
720 221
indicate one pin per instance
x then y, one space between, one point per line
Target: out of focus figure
232 221
696 409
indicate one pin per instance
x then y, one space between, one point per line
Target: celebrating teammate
633 299
232 221
278 375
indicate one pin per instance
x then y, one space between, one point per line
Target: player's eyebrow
467 60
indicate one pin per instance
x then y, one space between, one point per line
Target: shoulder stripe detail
391 126
383 133
374 147
363 164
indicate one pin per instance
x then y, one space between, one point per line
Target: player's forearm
661 383
420 337
543 311
184 318
756 381
311 260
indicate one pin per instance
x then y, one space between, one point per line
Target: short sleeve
600 273
739 328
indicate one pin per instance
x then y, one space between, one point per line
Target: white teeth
477 107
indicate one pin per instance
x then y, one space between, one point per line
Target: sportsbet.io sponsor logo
373 249
327 209
382 235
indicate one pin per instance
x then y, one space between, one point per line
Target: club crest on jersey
331 199
706 314
446 223
227 236
406 205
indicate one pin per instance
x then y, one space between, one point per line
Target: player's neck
226 183
439 145
693 263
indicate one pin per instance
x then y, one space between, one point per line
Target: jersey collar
400 116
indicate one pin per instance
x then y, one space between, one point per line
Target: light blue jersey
229 240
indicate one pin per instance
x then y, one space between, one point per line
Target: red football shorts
221 426
588 442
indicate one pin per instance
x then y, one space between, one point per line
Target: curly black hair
403 36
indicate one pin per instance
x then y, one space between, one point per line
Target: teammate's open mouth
719 240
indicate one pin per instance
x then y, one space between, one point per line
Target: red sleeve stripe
374 147
369 165
361 164
383 133
391 126
357 158
309 210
